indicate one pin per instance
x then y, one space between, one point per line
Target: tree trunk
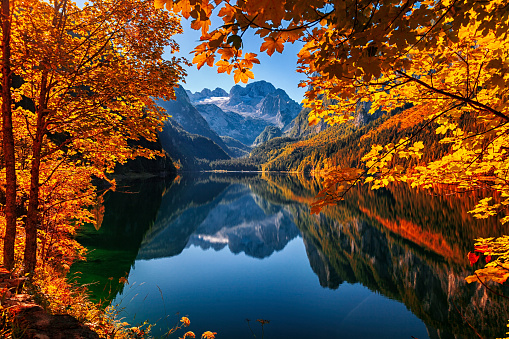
30 258
8 140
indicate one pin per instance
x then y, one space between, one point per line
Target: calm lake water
223 248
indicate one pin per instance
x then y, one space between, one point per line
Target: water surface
222 249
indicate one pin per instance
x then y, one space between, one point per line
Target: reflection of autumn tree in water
448 59
404 244
128 214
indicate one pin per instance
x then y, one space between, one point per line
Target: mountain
206 93
185 114
246 111
301 127
190 151
236 147
140 166
188 138
268 133
219 215
242 223
227 123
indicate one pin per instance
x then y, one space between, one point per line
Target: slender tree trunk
8 140
30 259
32 221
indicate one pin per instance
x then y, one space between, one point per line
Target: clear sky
279 69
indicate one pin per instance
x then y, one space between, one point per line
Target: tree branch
473 103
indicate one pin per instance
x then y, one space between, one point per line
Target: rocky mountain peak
255 89
206 93
244 112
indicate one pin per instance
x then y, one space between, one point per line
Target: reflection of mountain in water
404 244
231 216
381 241
239 222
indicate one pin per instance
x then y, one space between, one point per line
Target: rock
36 323
31 319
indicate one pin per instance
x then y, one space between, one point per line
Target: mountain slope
227 123
190 151
268 133
246 111
188 118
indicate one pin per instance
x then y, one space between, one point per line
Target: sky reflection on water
219 290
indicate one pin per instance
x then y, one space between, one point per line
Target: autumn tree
90 74
8 139
448 59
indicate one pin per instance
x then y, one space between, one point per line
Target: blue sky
279 69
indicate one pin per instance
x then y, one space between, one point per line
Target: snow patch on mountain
257 105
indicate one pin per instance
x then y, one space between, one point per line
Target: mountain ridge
253 107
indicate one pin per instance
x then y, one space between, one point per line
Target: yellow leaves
495 274
442 129
484 210
185 321
160 3
242 74
203 58
201 24
224 66
271 45
496 253
208 335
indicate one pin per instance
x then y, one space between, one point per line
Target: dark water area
223 248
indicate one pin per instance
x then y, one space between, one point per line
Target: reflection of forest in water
407 245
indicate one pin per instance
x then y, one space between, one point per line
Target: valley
260 128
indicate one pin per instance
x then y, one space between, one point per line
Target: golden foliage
87 79
88 76
447 59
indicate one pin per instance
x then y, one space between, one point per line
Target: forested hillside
338 145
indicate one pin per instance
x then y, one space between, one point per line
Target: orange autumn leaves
495 253
222 47
446 59
190 334
241 66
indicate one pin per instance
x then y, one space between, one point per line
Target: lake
229 249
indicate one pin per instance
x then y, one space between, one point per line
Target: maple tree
447 59
88 76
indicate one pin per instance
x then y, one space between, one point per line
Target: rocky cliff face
227 123
185 114
257 105
190 151
301 128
